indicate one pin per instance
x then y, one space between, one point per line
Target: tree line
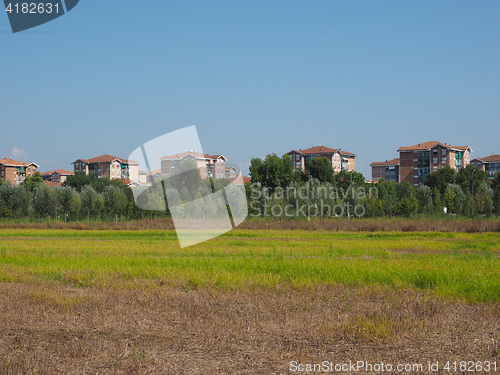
468 192
81 197
86 197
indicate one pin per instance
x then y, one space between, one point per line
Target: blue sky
255 77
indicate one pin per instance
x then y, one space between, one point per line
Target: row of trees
86 196
275 186
467 192
65 202
81 196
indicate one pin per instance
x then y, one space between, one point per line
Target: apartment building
108 166
15 172
388 170
339 159
148 177
230 173
490 164
210 166
416 162
58 175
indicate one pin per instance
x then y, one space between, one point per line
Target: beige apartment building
489 164
148 177
210 166
15 172
416 162
339 159
388 170
108 166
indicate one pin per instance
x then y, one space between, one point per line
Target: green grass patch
458 265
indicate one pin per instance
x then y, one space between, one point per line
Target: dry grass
116 302
449 224
51 329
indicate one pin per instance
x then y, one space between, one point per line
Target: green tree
483 199
321 169
45 201
407 202
79 180
115 201
257 170
76 204
273 171
437 202
495 185
344 179
468 204
454 199
16 200
99 204
496 202
441 179
89 201
30 183
374 206
66 197
424 196
470 174
387 193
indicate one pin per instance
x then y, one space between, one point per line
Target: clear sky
255 77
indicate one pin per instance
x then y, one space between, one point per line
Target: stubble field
249 302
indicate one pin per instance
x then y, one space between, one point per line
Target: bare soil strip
52 329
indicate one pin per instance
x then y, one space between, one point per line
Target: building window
443 152
435 160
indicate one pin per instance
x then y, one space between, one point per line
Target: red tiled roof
15 163
215 156
387 162
321 150
106 158
195 154
491 158
60 171
52 183
431 144
247 180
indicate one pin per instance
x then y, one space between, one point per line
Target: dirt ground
62 330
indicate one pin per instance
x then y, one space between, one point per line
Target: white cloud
19 153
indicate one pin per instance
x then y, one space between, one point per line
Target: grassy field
459 265
251 301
